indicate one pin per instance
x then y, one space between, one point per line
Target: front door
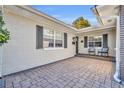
76 45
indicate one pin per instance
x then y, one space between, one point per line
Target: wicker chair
91 50
103 51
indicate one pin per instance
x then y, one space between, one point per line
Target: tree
4 33
80 23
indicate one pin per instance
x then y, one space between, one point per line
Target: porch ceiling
105 13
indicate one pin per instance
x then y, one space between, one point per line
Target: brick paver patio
77 72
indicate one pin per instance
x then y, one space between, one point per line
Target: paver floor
76 72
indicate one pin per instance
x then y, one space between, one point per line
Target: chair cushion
91 49
105 50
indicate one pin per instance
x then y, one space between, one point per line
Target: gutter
98 15
95 29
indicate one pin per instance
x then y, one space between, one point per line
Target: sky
68 13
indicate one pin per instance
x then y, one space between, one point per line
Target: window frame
55 32
95 41
54 38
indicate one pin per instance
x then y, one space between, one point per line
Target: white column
118 41
117 72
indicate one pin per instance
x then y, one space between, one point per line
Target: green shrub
4 33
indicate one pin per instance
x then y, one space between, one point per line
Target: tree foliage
4 33
80 23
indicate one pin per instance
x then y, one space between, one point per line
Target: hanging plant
4 33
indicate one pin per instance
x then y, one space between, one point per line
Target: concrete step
112 59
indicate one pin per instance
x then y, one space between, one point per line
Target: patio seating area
101 52
74 72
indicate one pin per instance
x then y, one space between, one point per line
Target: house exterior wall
111 41
20 52
122 42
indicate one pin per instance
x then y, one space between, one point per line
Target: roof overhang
91 29
29 8
39 13
88 29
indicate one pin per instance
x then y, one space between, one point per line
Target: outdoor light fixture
73 43
82 41
74 40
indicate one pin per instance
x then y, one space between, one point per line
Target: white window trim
55 48
95 36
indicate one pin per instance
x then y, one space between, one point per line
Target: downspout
117 72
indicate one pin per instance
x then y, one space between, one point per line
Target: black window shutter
85 41
39 37
105 40
65 40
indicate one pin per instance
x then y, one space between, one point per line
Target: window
59 36
48 38
52 39
95 41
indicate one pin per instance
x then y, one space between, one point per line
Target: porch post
117 72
